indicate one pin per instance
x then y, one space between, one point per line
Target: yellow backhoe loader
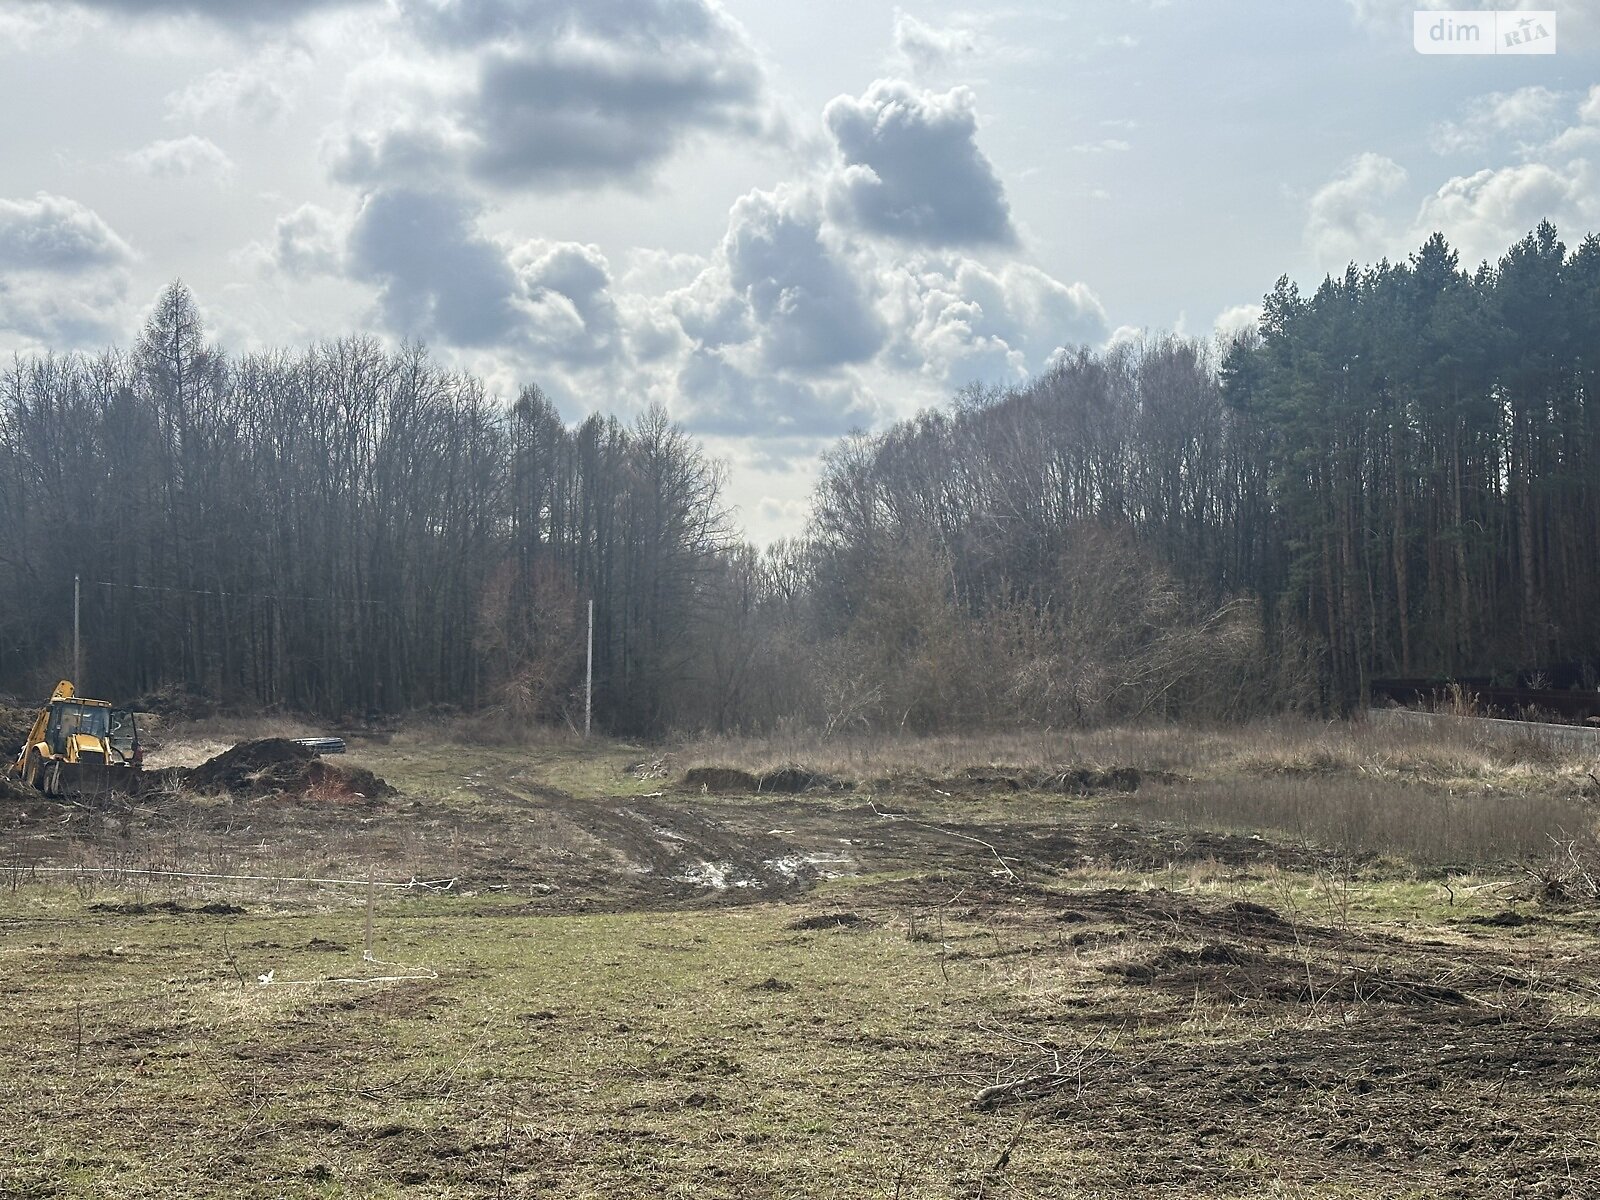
81 747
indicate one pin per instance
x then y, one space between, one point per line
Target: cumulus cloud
441 277
63 274
58 236
566 93
181 158
1483 213
408 151
1344 223
926 48
573 317
259 92
308 241
1235 320
52 314
722 398
1526 115
913 170
437 275
807 302
959 320
1480 213
25 25
580 115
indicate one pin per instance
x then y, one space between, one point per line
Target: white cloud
1526 115
260 92
804 297
58 236
913 169
1482 214
63 276
34 26
960 321
1103 146
923 49
309 241
572 314
41 314
187 157
1234 320
1344 221
560 94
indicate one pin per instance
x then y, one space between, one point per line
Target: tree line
340 531
1398 474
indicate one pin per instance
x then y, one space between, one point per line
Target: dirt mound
720 779
836 920
793 780
12 789
1225 970
15 722
1062 781
280 767
215 909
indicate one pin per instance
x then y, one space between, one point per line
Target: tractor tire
52 779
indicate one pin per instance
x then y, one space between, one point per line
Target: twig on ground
965 837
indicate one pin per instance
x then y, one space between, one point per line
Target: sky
782 221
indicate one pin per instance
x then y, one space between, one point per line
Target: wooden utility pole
77 648
588 677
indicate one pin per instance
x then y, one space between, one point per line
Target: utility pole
588 677
77 649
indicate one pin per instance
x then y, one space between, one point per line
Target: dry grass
1427 825
1431 796
1241 1024
1276 746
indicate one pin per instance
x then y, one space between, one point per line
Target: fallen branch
989 846
1048 1073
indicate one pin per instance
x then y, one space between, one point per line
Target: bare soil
972 984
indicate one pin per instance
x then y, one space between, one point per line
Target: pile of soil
719 779
792 780
15 722
174 907
280 767
789 780
12 789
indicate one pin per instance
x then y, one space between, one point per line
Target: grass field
1285 961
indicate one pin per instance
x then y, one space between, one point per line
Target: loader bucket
88 781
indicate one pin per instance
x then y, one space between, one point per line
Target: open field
1289 960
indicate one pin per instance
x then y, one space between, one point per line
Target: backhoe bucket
87 781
